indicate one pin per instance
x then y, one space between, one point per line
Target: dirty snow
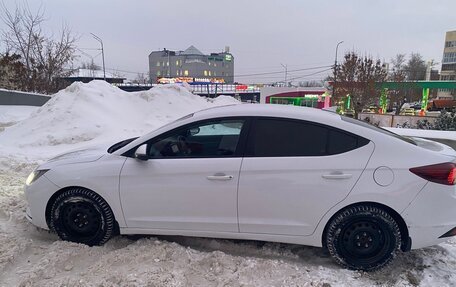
92 113
10 115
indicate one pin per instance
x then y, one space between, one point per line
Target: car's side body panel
289 195
177 193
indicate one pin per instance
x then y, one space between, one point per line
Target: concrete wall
393 120
22 98
445 137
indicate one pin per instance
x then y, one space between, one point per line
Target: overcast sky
262 34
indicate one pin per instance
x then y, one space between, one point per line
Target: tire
82 216
363 238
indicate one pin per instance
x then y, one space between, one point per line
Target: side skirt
302 240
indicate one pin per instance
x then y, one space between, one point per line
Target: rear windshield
372 127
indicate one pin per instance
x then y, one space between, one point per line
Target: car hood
77 156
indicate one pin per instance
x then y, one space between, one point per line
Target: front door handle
219 176
337 176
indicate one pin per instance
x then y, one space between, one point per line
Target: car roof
268 110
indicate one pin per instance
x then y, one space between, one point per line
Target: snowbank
9 115
434 134
96 113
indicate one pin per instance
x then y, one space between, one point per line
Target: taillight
443 173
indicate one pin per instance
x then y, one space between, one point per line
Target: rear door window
277 137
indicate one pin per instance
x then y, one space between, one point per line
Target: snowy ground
9 115
34 257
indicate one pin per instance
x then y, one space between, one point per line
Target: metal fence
16 98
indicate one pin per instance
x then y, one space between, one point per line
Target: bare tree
11 69
141 79
358 76
398 74
90 66
416 67
44 57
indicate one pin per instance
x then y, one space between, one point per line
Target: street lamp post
335 71
286 73
102 53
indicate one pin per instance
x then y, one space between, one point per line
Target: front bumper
37 195
28 214
431 215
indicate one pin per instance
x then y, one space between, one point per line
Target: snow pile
98 112
9 115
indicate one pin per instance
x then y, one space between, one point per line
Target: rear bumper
431 215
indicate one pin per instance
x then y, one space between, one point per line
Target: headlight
35 175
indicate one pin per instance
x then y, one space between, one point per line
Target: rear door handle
219 176
337 176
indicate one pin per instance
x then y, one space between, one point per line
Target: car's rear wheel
363 238
82 216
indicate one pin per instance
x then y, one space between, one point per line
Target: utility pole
102 53
335 71
286 73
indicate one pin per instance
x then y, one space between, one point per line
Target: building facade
191 65
448 72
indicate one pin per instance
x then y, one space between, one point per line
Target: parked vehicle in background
348 113
257 172
438 105
407 112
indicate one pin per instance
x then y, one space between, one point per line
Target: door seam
237 196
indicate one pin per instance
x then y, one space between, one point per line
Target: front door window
209 139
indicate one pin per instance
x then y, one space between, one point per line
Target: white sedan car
257 172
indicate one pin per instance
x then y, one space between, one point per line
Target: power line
281 72
124 71
90 49
303 76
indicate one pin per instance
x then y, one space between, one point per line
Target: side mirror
141 152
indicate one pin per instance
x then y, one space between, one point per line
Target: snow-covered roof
88 73
192 51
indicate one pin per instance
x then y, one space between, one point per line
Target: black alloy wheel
82 216
363 238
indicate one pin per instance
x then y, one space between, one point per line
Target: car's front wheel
82 216
363 238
